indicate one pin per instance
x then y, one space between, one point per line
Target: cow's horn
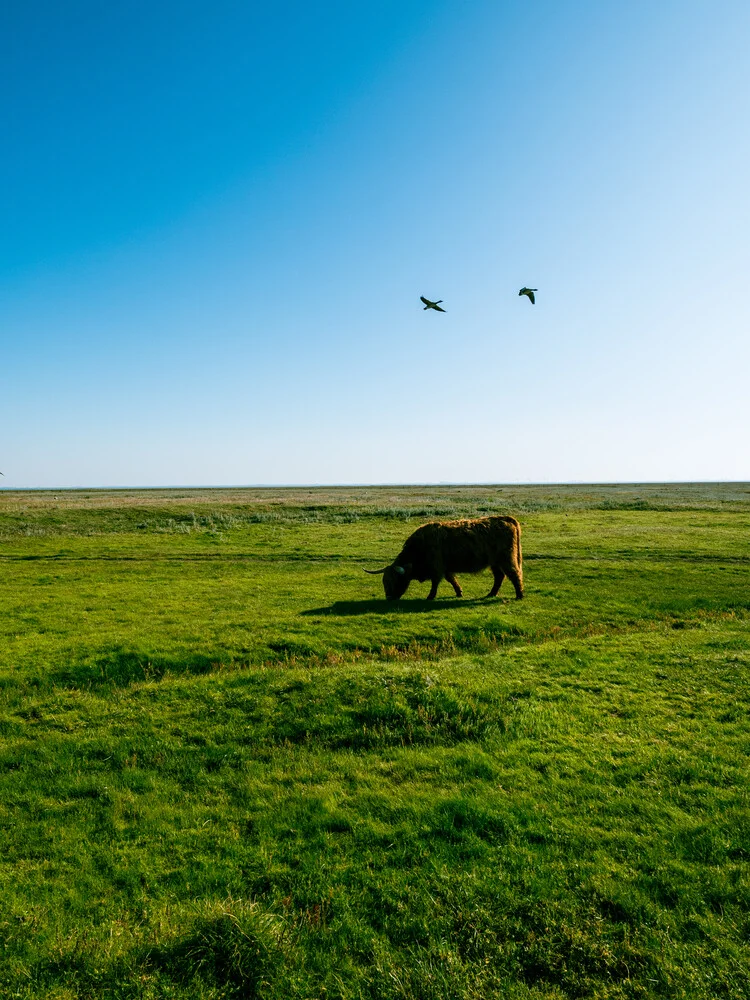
376 570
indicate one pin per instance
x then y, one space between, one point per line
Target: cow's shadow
415 606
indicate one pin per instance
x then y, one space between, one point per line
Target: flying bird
529 292
432 305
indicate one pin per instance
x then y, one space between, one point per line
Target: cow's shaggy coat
440 549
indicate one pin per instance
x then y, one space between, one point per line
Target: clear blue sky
217 220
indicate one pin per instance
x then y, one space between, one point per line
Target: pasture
228 768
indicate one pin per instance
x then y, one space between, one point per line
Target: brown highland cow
441 549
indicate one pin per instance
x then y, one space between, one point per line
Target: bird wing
426 301
531 296
438 309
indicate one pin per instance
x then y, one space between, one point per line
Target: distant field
229 768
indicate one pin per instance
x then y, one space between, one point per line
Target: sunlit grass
229 769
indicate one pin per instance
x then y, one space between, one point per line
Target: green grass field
230 769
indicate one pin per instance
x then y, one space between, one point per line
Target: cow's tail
517 556
516 540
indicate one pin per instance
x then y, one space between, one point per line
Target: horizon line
384 485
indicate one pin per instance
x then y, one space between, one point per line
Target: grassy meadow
230 769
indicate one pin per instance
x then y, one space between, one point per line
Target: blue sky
218 219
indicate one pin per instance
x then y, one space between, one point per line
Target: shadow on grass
237 955
233 955
417 606
119 668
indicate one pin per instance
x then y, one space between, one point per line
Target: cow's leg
515 575
455 584
499 576
433 589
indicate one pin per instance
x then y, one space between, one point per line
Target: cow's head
395 579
